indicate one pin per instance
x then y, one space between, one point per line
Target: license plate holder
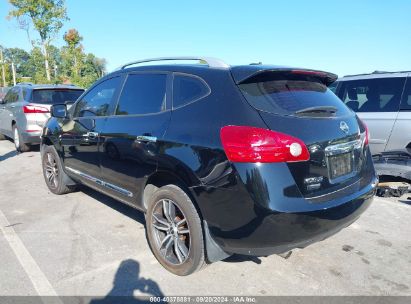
340 165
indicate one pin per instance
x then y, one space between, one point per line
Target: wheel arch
162 178
213 251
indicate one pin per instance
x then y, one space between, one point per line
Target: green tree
47 17
74 49
36 66
19 59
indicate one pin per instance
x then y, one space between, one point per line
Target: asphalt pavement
87 244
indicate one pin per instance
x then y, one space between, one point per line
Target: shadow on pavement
126 281
237 258
8 155
114 204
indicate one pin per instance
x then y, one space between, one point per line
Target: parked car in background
26 107
251 159
383 101
3 91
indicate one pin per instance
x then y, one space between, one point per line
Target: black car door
130 139
81 134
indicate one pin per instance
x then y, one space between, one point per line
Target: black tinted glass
187 89
97 101
406 100
55 96
143 94
290 96
333 86
12 95
373 95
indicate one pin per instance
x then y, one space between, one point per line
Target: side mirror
59 111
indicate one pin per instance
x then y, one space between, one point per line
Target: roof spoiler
258 75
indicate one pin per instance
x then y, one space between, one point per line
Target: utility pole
13 70
3 72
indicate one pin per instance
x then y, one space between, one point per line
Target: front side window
97 101
187 89
143 94
373 95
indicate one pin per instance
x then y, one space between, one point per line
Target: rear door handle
145 138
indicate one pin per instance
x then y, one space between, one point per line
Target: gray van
383 101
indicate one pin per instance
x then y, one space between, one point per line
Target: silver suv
383 101
26 108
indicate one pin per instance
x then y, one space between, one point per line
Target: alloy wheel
171 232
51 169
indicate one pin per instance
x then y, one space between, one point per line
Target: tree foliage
67 65
46 63
47 17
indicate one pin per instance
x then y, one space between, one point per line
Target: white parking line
37 277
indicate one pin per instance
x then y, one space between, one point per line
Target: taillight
367 133
252 145
34 109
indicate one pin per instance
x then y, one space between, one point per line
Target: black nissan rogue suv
250 159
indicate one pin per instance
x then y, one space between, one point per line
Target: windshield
53 96
290 96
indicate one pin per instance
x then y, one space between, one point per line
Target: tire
53 172
182 253
18 141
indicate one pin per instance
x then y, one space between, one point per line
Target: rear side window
53 96
12 95
143 94
188 89
373 95
289 96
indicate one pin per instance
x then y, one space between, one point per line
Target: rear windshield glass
290 96
55 96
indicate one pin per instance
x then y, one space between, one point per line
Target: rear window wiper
317 111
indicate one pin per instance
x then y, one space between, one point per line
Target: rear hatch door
298 103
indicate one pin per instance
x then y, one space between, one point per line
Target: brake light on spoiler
253 145
34 109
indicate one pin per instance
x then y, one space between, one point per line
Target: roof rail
25 83
376 73
211 62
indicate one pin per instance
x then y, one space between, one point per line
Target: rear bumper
32 138
280 232
257 214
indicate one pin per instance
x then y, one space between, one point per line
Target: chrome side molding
100 182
